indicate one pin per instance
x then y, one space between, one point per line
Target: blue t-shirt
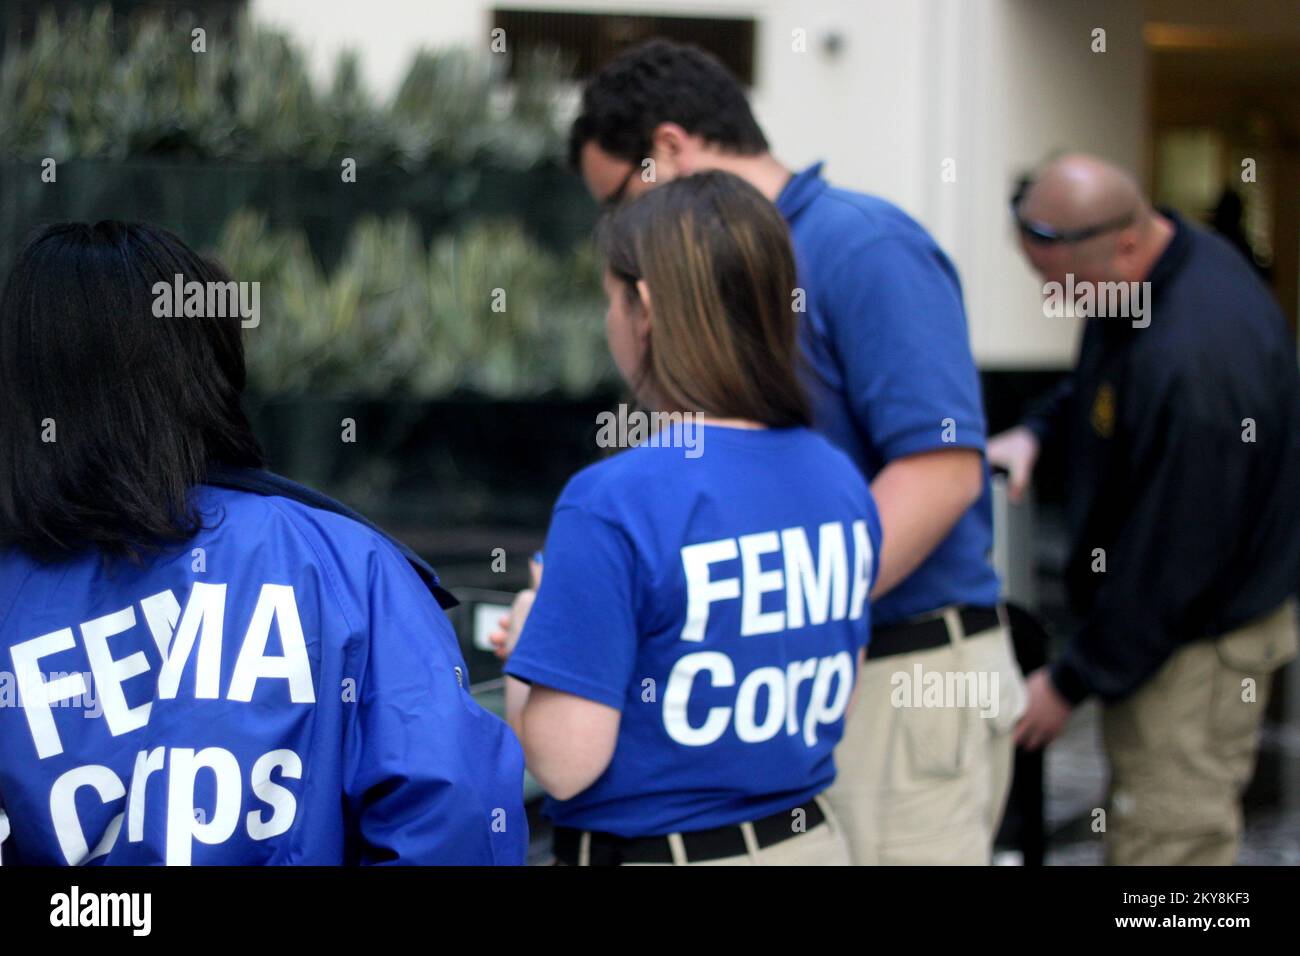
891 368
282 689
720 603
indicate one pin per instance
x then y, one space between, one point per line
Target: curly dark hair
660 81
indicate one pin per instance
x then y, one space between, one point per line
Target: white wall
1037 88
386 32
991 84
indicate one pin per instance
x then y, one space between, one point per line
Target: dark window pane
589 40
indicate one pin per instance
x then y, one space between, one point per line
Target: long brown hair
716 257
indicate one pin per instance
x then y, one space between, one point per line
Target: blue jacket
284 688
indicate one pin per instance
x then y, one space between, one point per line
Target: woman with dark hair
273 679
684 671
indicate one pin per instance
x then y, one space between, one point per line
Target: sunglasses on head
1045 235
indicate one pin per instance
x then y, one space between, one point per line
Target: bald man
1182 430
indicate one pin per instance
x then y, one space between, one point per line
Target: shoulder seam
324 565
620 531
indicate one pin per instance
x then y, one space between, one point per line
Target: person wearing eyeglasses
1182 434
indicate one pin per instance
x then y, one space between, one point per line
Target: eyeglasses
1045 235
616 197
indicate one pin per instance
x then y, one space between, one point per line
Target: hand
1016 450
1045 716
511 625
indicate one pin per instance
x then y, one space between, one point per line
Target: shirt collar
803 188
1166 267
1171 259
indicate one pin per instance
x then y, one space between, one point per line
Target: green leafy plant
486 311
86 87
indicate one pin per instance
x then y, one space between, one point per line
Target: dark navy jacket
1184 467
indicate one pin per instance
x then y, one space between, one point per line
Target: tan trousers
924 771
1182 748
823 845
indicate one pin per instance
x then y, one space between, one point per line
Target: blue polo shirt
719 603
890 367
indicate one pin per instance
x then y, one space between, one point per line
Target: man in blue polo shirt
923 778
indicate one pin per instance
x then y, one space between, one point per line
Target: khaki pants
823 845
1182 748
927 783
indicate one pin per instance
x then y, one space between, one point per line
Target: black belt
907 637
608 849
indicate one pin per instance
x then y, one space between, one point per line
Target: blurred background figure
1228 221
1182 422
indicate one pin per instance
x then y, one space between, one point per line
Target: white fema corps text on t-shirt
719 602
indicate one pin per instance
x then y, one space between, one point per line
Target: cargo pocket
1263 646
941 741
1248 657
